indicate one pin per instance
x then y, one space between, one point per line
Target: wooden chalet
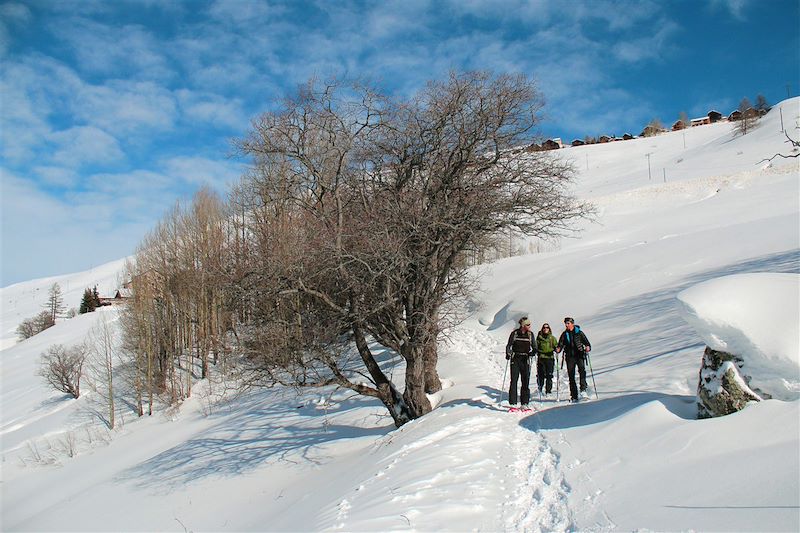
679 125
714 116
551 144
120 297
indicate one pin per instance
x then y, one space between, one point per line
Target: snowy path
484 468
535 493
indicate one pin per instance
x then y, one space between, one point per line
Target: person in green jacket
546 344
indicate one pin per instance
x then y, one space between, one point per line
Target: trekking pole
538 385
503 384
589 360
558 371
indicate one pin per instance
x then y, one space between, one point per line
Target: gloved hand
508 356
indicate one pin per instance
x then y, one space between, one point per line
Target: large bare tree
360 210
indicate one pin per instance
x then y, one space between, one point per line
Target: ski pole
503 384
589 360
558 371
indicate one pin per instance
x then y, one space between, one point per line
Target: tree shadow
490 402
260 431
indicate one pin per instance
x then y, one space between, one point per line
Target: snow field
635 459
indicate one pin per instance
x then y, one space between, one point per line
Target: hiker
546 344
575 346
520 349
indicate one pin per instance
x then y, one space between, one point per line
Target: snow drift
757 317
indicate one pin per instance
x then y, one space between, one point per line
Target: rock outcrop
722 388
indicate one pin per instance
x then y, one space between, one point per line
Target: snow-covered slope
633 459
24 300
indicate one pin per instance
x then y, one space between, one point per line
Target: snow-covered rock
755 318
722 390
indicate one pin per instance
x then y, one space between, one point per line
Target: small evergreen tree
87 302
96 298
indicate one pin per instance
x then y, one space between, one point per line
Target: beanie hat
569 320
524 321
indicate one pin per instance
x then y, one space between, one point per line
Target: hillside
633 459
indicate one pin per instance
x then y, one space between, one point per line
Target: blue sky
112 111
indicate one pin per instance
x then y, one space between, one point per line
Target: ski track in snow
540 504
538 496
520 464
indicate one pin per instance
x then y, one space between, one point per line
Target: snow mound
755 316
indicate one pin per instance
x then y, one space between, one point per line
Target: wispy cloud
735 8
15 14
113 50
84 145
131 104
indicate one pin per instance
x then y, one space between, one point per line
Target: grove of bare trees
351 231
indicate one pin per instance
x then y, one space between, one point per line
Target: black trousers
520 370
544 373
572 362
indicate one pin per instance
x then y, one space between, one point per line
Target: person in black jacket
575 346
520 350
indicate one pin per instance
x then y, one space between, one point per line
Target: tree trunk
414 395
431 358
387 392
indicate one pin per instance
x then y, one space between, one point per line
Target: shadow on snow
599 411
258 432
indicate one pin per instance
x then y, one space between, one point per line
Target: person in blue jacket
575 345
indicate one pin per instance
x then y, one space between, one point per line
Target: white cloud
244 13
11 13
126 106
84 145
39 231
114 50
16 12
201 170
734 8
651 47
56 176
212 108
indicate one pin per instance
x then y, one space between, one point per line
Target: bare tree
748 118
62 368
31 326
795 149
55 301
762 106
176 324
653 127
363 210
101 347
